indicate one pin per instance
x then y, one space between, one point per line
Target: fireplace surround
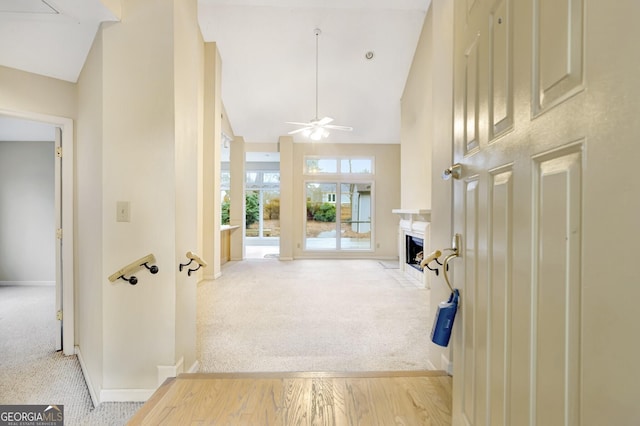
413 230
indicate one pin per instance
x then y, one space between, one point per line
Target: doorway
262 205
29 127
28 199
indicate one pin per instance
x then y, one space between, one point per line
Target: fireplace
413 242
414 251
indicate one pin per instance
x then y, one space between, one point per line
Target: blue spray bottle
443 322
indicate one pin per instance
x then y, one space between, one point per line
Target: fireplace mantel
416 220
424 214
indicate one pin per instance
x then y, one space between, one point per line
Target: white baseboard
132 395
195 367
25 283
430 365
166 371
87 378
446 364
126 395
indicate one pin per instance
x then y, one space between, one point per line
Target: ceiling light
317 134
316 129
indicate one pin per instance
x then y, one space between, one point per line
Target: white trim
68 194
414 212
430 365
194 368
87 378
166 371
126 395
446 364
25 283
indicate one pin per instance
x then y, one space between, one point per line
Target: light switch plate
123 213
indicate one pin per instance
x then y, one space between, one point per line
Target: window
321 165
335 165
225 196
356 165
262 204
339 198
344 225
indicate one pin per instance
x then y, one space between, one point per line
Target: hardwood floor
378 398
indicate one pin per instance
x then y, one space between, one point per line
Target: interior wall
427 141
236 211
386 196
211 156
27 216
416 130
287 198
442 154
25 92
150 79
189 83
89 168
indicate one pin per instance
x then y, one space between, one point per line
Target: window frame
338 163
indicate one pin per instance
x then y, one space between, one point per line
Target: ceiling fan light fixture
318 134
316 128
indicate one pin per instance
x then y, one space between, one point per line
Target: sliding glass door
338 216
262 213
321 226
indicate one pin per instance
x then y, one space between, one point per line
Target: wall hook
131 280
134 266
193 258
433 256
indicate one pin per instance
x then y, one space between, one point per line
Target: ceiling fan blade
324 121
334 127
299 130
297 123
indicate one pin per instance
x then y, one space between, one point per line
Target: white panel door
545 125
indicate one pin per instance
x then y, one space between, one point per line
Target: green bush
225 212
325 213
252 208
311 209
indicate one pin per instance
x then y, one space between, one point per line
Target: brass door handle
452 172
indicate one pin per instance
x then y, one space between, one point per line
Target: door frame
66 270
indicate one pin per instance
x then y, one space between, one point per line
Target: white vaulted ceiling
268 55
51 37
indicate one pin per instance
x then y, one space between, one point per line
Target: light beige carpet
312 315
261 315
32 372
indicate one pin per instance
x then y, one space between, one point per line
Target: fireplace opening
414 251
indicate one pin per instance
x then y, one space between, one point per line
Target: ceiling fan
317 128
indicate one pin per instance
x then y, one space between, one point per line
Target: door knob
452 172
